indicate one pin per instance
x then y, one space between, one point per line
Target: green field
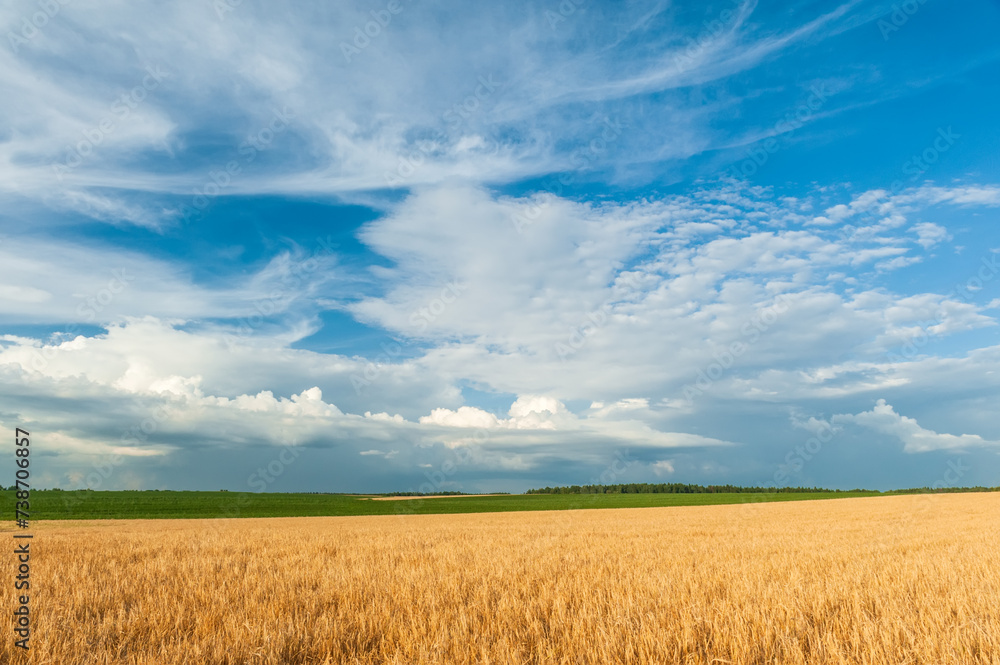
78 505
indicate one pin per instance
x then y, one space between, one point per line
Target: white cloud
380 453
812 424
620 407
546 414
839 212
50 280
142 373
662 467
465 416
883 419
584 302
897 263
929 234
972 195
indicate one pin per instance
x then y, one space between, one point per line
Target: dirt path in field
435 496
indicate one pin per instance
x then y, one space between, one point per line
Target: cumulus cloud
464 416
929 234
549 417
916 439
621 282
662 467
155 405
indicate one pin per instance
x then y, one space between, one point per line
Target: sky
405 245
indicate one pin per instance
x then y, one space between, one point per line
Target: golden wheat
887 580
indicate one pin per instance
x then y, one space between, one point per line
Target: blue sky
439 246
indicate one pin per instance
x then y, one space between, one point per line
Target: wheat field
890 580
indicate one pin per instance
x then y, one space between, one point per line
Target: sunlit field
883 580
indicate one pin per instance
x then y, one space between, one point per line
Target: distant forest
687 488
